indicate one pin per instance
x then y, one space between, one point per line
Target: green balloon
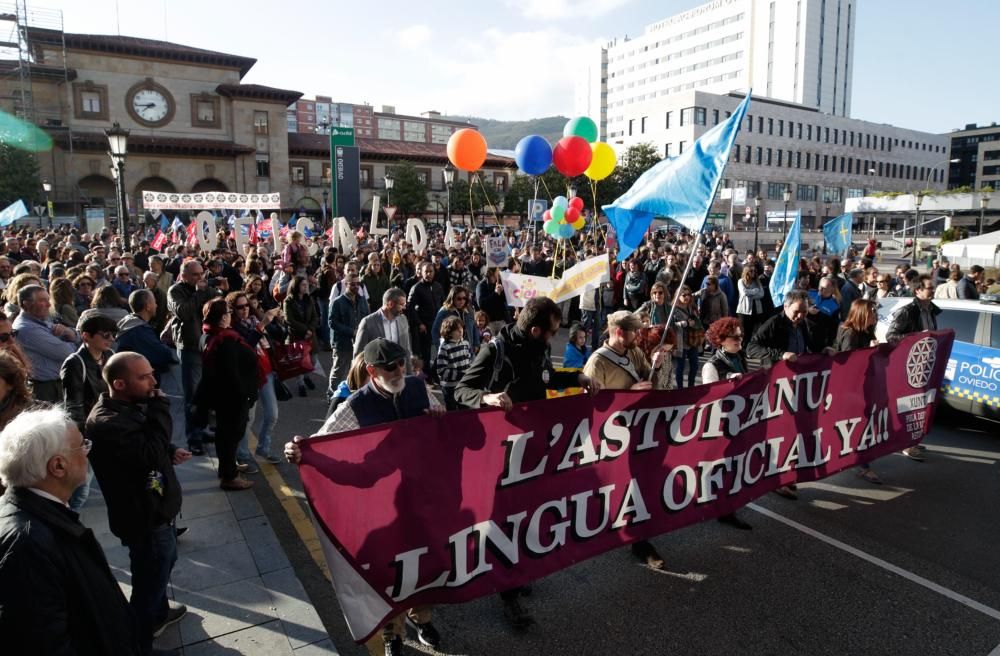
558 213
581 126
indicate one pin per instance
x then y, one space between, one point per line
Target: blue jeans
190 377
266 409
152 558
690 356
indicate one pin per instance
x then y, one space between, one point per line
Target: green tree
637 159
522 189
18 176
484 195
459 197
409 191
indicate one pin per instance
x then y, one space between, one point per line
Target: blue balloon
533 155
565 231
560 201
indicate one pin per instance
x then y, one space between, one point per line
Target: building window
666 150
753 189
642 125
500 181
776 190
667 126
746 154
260 125
809 132
805 192
770 126
808 160
854 192
297 172
631 121
800 131
749 123
440 134
715 117
365 178
832 194
760 155
736 153
680 147
760 124
781 130
390 129
699 116
263 166
205 111
90 101
686 115
414 131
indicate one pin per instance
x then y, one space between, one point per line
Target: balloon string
546 190
472 208
555 258
534 224
487 197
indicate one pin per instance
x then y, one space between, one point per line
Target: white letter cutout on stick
303 224
343 237
374 229
416 234
449 235
210 243
242 241
275 232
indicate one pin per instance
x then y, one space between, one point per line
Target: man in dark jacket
918 315
514 368
57 593
426 298
785 336
134 463
490 298
185 300
968 286
346 312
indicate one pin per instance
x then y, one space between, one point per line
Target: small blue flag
13 212
681 188
177 224
786 269
164 222
838 233
295 219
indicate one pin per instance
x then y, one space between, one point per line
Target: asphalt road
908 567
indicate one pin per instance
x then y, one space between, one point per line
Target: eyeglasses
391 367
6 337
86 446
241 307
105 334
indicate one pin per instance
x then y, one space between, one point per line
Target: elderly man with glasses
390 395
56 590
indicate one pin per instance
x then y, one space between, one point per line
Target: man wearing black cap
390 395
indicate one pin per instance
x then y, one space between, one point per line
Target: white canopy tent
983 250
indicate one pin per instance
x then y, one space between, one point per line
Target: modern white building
799 51
823 160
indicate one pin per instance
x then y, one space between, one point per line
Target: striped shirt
453 358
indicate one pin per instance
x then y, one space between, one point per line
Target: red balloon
572 213
576 202
547 215
572 156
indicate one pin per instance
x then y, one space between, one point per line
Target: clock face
150 106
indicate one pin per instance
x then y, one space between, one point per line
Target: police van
972 378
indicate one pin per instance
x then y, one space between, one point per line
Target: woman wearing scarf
229 385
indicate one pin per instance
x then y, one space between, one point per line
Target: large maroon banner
441 510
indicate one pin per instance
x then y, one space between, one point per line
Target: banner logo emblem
920 362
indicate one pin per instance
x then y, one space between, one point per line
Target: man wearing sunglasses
390 395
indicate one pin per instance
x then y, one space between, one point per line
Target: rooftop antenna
118 25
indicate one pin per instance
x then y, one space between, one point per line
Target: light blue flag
786 269
13 212
837 233
177 224
164 222
681 188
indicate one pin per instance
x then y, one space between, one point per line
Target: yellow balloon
603 161
579 223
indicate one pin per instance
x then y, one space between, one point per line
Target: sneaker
394 647
647 553
174 614
787 492
248 468
426 633
913 454
515 615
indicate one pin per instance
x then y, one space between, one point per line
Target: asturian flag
838 233
13 212
786 269
681 188
177 224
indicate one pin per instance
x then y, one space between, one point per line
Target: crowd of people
119 362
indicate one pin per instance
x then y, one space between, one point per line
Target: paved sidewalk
241 592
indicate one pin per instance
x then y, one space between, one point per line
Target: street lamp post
984 200
871 172
756 224
47 188
916 228
927 185
448 173
388 186
826 218
787 195
572 191
326 199
118 151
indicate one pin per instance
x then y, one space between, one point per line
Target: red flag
252 231
192 231
175 237
159 240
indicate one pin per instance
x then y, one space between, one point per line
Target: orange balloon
467 149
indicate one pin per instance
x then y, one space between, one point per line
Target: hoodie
135 334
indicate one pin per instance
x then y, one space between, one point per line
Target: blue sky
921 64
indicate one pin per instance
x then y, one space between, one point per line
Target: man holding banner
515 368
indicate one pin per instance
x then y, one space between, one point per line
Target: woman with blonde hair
61 297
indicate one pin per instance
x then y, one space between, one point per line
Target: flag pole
677 294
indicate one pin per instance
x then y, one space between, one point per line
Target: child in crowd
418 367
453 357
482 321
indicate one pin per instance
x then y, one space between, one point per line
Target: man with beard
388 322
390 395
515 368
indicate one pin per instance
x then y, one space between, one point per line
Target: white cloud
413 36
575 9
